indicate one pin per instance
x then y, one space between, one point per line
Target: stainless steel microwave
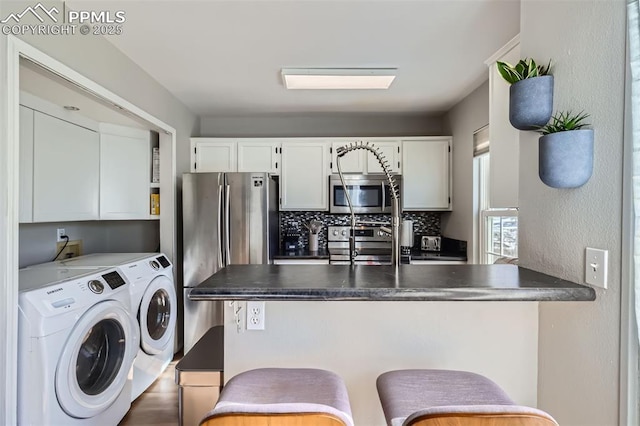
369 193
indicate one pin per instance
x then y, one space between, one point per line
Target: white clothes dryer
153 296
76 344
153 303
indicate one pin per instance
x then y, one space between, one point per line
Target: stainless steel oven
373 245
368 193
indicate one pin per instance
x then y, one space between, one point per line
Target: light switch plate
595 267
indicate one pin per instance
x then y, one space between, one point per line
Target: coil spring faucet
395 199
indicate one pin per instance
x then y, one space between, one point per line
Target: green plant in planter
565 150
526 68
530 93
564 121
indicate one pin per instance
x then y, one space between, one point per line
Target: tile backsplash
426 223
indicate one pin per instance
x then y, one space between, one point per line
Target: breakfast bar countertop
380 283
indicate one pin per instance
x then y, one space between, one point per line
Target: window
497 228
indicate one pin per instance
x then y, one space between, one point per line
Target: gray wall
461 122
311 125
579 342
38 240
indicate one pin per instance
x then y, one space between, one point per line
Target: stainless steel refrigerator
228 219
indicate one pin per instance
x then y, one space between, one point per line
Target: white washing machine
154 305
77 341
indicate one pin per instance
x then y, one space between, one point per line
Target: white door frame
9 160
629 380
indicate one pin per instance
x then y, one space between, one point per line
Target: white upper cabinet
26 165
426 174
352 162
390 149
213 155
363 161
304 177
125 173
504 139
66 164
259 156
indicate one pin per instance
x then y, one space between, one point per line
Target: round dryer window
93 368
157 316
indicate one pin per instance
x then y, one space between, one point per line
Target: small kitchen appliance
430 243
290 239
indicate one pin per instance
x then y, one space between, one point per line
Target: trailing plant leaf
525 68
564 121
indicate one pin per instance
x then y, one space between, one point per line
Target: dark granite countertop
302 254
438 255
412 282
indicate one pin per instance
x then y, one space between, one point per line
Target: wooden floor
158 405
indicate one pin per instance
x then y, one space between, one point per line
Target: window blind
481 141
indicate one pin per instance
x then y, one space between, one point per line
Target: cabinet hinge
449 200
330 150
398 150
331 165
276 149
195 150
449 149
398 164
276 164
195 166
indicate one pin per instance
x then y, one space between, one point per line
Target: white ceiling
44 84
225 57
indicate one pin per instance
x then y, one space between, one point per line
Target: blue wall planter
565 159
531 102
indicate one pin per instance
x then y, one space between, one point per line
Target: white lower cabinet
426 174
304 177
125 175
66 165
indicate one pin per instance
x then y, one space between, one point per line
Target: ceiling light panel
336 78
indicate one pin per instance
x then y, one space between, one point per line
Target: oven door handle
384 204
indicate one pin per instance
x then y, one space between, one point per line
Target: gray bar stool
282 396
451 398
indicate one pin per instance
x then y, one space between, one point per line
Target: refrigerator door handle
220 264
227 225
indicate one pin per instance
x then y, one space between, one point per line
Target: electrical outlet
255 316
595 267
59 233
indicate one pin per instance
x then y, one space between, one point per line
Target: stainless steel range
373 245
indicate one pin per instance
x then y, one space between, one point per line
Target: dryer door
94 365
157 316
